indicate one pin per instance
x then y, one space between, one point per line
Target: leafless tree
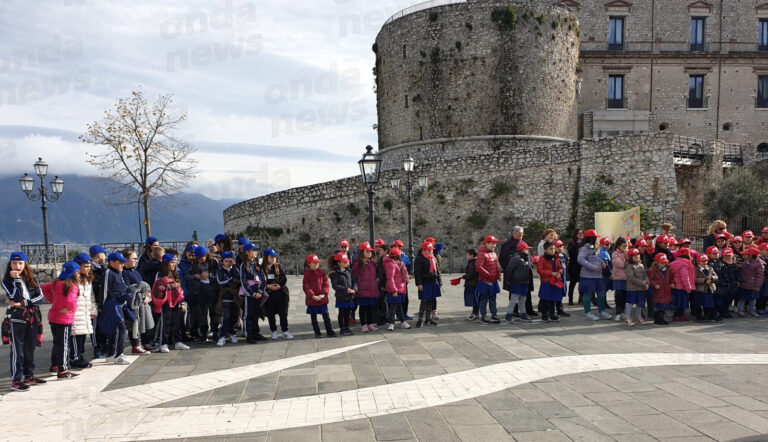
139 148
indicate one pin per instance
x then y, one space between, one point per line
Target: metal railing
615 103
421 7
697 103
733 155
58 254
688 151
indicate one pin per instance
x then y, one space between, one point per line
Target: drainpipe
719 75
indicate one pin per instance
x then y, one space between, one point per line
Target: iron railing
57 254
697 102
615 103
733 155
421 7
688 151
696 224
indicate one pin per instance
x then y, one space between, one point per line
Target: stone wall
467 198
477 68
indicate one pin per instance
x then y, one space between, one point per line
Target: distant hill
84 215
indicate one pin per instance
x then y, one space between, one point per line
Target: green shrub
506 18
353 209
533 232
388 205
477 219
433 16
500 188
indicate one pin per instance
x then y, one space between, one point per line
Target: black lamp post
369 169
409 164
57 185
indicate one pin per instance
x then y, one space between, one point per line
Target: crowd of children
165 298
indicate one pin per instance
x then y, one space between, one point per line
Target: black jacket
518 271
273 278
98 284
341 280
149 271
574 268
203 292
422 274
470 274
507 250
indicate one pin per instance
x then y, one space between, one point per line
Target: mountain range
89 212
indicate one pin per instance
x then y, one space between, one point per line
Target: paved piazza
574 380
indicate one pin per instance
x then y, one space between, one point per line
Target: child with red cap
367 296
396 281
316 289
752 275
428 281
706 277
727 282
550 270
470 284
518 277
619 278
489 274
637 287
683 283
660 279
763 239
763 299
345 288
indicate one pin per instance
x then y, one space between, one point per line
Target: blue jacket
116 294
17 291
131 276
591 263
248 272
407 261
185 275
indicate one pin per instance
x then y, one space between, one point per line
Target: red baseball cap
748 233
702 258
398 243
312 258
605 241
685 241
522 245
684 251
559 243
379 242
721 236
365 246
427 246
394 251
727 251
765 229
431 240
663 239
712 250
737 238
633 252
490 238
341 256
343 243
763 246
673 242
727 235
641 243
590 234
649 236
661 258
751 251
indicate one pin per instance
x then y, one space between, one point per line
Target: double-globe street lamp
370 165
409 164
57 185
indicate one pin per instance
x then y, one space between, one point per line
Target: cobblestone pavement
572 380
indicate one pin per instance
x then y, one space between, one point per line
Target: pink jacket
752 274
397 275
54 293
683 274
619 260
163 294
367 287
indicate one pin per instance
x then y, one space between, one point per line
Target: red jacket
487 266
163 294
544 268
316 283
397 275
54 293
662 295
752 274
367 285
683 275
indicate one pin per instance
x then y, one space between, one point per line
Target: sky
278 93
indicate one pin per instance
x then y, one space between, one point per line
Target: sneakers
287 335
544 318
122 360
592 317
564 314
54 369
418 323
391 327
181 346
629 321
274 335
524 318
68 374
618 318
19 386
555 318
363 329
754 315
139 350
346 332
434 316
318 335
372 327
640 321
164 349
31 380
233 339
472 317
331 334
431 323
405 325
484 320
605 315
220 343
495 320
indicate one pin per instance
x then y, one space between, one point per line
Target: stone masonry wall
466 199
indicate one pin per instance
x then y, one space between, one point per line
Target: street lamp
408 165
369 169
57 185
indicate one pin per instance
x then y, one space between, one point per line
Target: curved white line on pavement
220 420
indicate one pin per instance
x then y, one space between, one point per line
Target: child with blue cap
205 295
62 294
277 303
112 319
82 326
168 303
253 287
150 243
26 332
229 286
98 267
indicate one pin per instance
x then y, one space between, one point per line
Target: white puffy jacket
86 306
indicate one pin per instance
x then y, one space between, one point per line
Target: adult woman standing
591 280
718 227
574 268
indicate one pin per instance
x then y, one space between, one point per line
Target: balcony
697 103
761 103
615 103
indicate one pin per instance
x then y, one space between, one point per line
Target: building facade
694 68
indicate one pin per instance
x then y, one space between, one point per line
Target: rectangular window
762 35
696 92
697 33
615 92
762 92
616 34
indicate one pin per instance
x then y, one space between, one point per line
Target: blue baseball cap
82 258
250 246
169 257
19 256
191 248
201 251
227 255
116 256
270 252
220 238
150 240
95 250
243 241
68 269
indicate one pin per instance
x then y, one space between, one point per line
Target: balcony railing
697 103
421 7
761 102
615 103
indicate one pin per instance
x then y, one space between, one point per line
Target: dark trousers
60 349
620 297
369 314
277 304
201 312
696 309
170 324
571 287
405 303
547 309
134 341
24 342
344 314
76 347
761 303
326 321
116 343
229 314
425 310
99 340
251 316
395 309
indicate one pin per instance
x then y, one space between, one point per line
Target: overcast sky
278 93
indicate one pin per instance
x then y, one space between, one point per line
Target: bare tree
140 148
